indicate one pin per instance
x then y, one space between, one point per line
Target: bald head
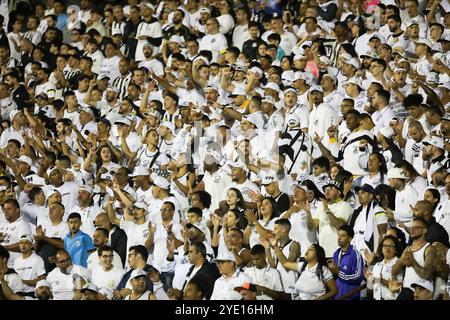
423 209
102 221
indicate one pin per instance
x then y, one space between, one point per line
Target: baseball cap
227 256
42 95
355 81
86 188
366 188
387 132
252 118
246 286
149 5
152 113
204 9
370 54
293 120
42 283
238 91
87 110
160 181
352 62
426 42
299 56
89 286
426 284
396 173
140 171
147 44
26 237
168 125
238 164
324 60
214 154
136 273
412 22
124 121
256 70
25 159
268 178
212 86
300 185
331 183
435 141
200 226
268 99
102 76
316 88
140 205
3 188
273 86
298 75
445 37
290 89
177 39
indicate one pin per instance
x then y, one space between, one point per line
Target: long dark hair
383 167
275 210
405 165
321 261
98 158
241 202
436 195
386 195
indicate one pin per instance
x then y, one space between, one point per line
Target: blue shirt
351 271
78 247
61 21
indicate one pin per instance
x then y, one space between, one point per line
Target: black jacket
119 243
210 271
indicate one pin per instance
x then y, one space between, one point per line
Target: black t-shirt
282 201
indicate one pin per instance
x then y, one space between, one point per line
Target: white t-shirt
327 234
267 277
224 287
107 279
214 43
29 269
308 285
299 231
383 270
12 233
62 285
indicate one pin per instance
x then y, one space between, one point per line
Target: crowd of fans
188 150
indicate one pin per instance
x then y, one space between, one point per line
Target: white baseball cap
168 125
268 177
140 205
149 5
89 286
160 181
25 159
352 62
238 91
138 273
200 226
435 141
293 120
396 173
426 42
86 188
426 284
124 121
226 256
354 80
177 39
387 132
140 171
238 164
316 88
26 237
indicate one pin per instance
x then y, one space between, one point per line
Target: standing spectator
77 243
348 266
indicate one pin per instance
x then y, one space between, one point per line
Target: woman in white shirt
316 281
376 165
267 213
382 271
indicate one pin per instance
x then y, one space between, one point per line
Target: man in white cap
292 106
321 117
42 291
148 30
29 266
423 51
435 153
138 281
149 60
167 134
353 89
230 279
141 180
215 179
299 215
128 141
87 209
405 196
239 179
